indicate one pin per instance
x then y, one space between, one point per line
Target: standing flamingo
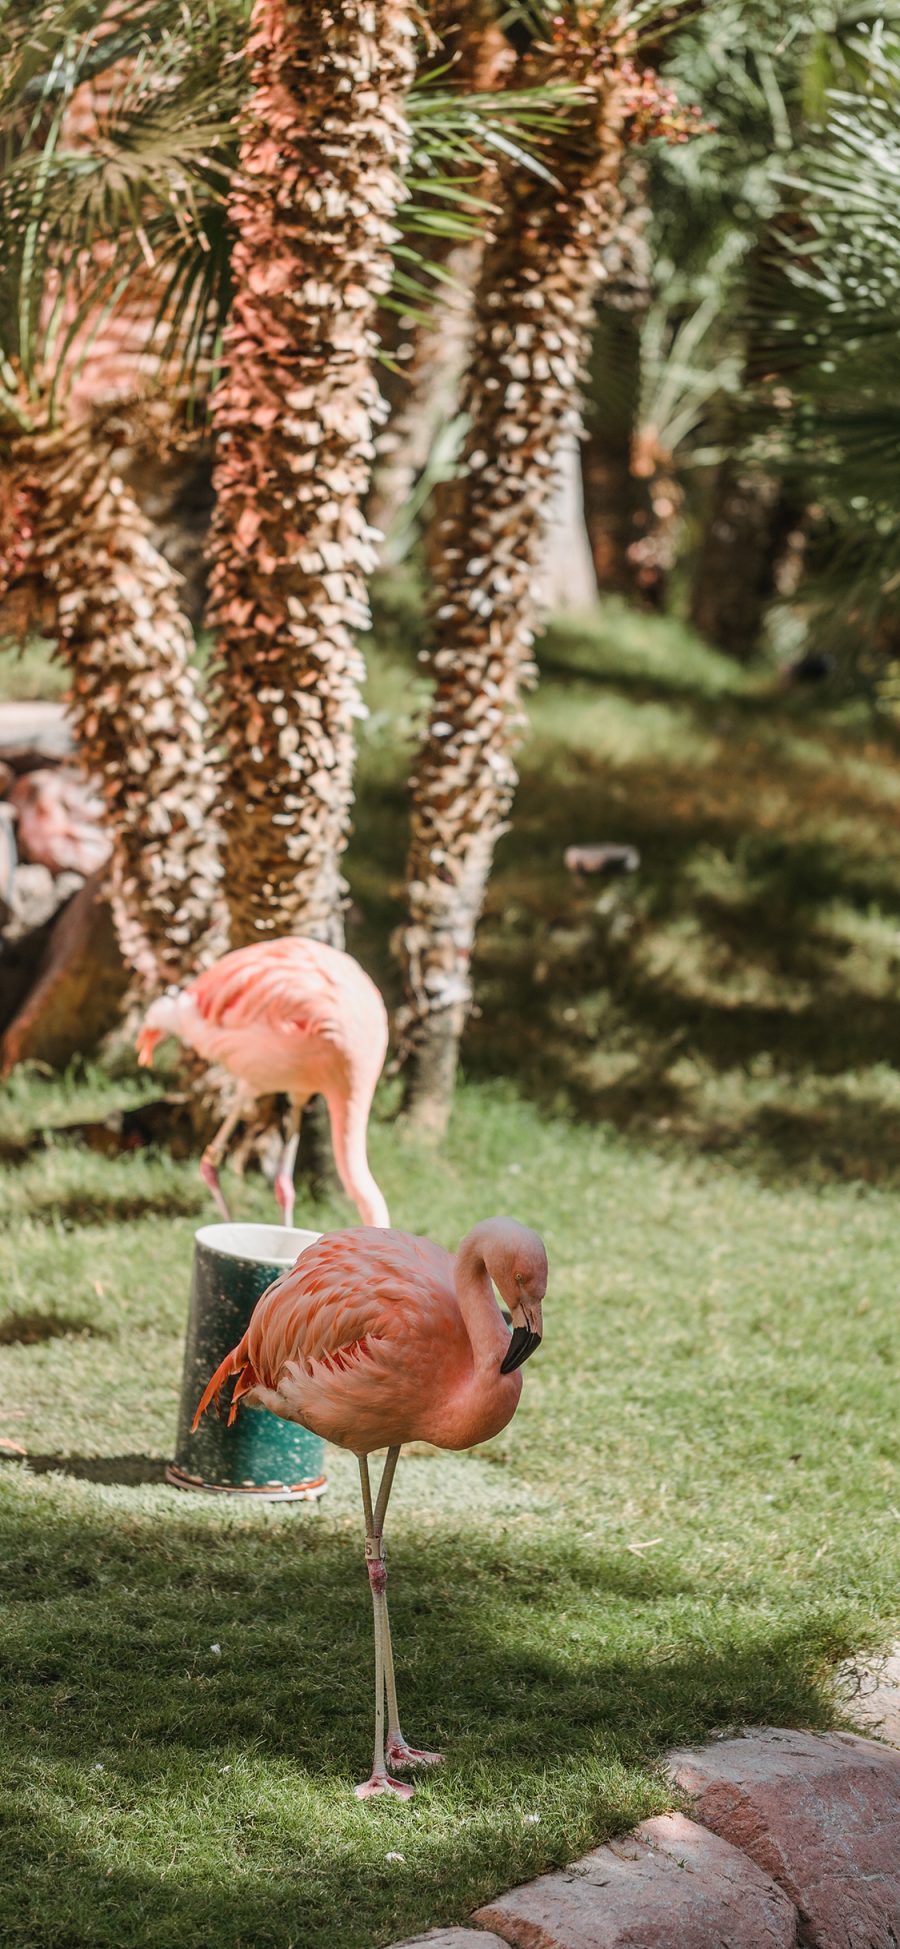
291 1016
375 1338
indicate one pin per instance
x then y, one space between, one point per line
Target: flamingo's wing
346 1342
285 986
348 1296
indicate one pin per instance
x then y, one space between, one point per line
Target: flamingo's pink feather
363 1341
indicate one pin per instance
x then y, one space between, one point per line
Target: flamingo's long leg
215 1150
380 1780
398 1751
284 1182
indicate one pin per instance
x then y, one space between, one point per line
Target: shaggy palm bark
139 722
324 145
532 310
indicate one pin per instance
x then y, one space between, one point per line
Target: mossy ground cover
687 1080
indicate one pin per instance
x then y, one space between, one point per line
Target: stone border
794 1843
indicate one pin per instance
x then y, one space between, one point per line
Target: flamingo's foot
382 1783
210 1178
399 1754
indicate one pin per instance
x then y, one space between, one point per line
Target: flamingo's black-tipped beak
524 1341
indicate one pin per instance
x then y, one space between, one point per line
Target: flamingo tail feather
235 1362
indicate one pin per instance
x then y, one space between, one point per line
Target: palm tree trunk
736 574
611 408
324 146
138 717
615 504
532 309
654 551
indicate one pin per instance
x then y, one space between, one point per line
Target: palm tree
136 707
762 82
532 306
138 717
320 176
614 505
825 406
140 208
320 240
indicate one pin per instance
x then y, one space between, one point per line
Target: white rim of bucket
256 1244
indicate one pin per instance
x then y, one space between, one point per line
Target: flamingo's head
160 1020
517 1262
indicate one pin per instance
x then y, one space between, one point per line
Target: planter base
259 1491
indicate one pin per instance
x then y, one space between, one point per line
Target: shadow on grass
161 1655
597 998
102 1205
34 1329
125 1471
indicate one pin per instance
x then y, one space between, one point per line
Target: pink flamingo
290 1016
375 1338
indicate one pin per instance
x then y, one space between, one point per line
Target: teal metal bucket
259 1455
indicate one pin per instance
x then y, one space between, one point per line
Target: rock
80 986
668 1885
33 900
820 1814
452 1939
7 863
869 1692
607 858
32 733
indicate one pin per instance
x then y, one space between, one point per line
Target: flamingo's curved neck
487 1330
348 1133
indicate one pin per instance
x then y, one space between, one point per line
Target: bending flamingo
291 1016
375 1338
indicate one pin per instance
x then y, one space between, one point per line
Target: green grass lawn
688 1082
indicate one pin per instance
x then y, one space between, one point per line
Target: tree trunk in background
616 504
173 490
486 539
610 490
736 574
139 720
324 146
654 551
